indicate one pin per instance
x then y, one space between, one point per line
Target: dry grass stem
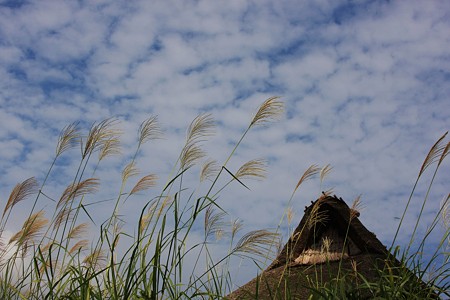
444 153
317 216
151 209
145 220
324 172
130 170
149 130
436 152
258 242
30 229
144 183
96 259
2 245
236 226
73 191
209 170
190 154
309 173
78 231
79 246
326 244
167 200
356 208
219 234
202 126
252 169
326 193
109 148
213 222
20 192
445 213
47 246
99 135
290 214
64 214
68 138
269 111
117 230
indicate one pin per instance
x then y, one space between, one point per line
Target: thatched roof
327 218
329 239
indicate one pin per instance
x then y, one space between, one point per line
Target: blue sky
365 84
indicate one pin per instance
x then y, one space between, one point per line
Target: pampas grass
144 184
74 255
255 168
31 229
268 112
308 174
56 258
69 138
20 192
258 242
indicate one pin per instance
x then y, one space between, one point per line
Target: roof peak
328 220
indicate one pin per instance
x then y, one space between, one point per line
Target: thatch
329 240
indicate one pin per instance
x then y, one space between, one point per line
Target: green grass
57 258
53 258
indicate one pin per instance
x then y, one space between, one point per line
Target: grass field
57 258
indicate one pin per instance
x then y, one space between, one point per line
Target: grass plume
355 209
130 170
78 231
269 111
214 223
110 147
82 188
255 168
68 138
31 229
190 155
308 174
437 153
144 183
257 242
149 130
100 136
79 246
209 170
170 250
200 128
20 192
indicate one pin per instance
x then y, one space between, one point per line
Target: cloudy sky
366 86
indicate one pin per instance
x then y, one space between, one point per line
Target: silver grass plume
269 111
20 192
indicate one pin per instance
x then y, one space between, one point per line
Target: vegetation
408 273
59 258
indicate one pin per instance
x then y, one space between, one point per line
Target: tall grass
419 270
406 273
57 258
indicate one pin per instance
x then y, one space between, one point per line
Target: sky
366 87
